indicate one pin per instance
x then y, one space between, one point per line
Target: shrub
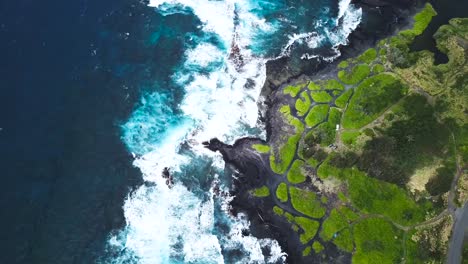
303 104
357 74
261 192
368 56
306 202
295 174
261 148
371 98
316 115
282 192
343 99
320 96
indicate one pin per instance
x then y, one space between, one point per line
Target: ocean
219 76
99 98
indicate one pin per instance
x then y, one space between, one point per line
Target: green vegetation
320 96
303 104
427 245
309 228
349 137
342 65
368 56
344 240
371 98
317 247
309 150
342 197
421 21
282 192
324 199
325 132
373 196
412 140
333 84
377 241
343 99
402 126
334 223
348 214
378 68
282 156
261 148
306 202
316 115
278 210
261 192
285 110
357 74
293 90
313 86
440 183
295 174
286 155
465 253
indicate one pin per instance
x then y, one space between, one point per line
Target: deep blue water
65 170
88 85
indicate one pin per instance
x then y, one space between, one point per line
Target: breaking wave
222 75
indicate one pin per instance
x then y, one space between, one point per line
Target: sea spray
222 75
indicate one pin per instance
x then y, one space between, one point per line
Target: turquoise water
212 90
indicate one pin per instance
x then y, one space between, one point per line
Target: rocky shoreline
252 169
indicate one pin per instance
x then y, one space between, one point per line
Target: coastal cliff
365 159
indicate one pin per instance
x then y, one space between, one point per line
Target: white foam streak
343 6
155 224
217 16
164 223
173 223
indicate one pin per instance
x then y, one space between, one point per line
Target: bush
368 56
261 148
306 202
317 247
377 241
303 104
333 84
293 90
313 86
316 115
320 96
343 99
344 160
344 240
261 192
295 175
282 192
442 181
326 132
334 223
371 98
309 228
357 74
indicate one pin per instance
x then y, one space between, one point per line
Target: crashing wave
222 84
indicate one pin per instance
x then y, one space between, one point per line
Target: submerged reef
366 161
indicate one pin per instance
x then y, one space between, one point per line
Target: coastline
240 157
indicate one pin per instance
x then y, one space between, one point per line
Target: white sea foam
173 223
165 224
217 16
350 17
